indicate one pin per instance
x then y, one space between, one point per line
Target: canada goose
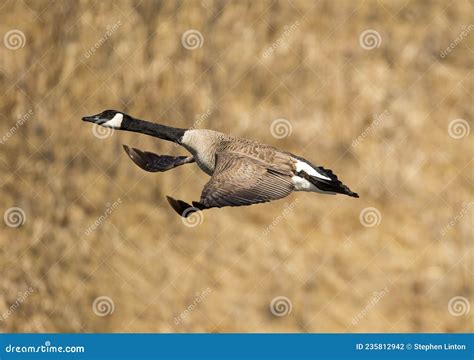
243 172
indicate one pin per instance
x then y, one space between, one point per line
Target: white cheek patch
302 166
115 122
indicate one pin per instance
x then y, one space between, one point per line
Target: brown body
205 144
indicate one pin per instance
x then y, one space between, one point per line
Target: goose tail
309 177
330 183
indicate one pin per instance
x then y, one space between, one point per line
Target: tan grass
320 79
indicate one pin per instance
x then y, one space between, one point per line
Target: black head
108 118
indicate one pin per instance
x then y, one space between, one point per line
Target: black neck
160 131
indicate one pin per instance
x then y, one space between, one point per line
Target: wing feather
240 180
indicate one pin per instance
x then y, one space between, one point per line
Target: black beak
93 119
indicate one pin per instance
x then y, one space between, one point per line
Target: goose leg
184 209
152 162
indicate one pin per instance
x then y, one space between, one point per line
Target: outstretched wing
149 161
242 180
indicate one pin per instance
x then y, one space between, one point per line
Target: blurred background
379 92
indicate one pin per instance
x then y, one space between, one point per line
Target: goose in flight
243 172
